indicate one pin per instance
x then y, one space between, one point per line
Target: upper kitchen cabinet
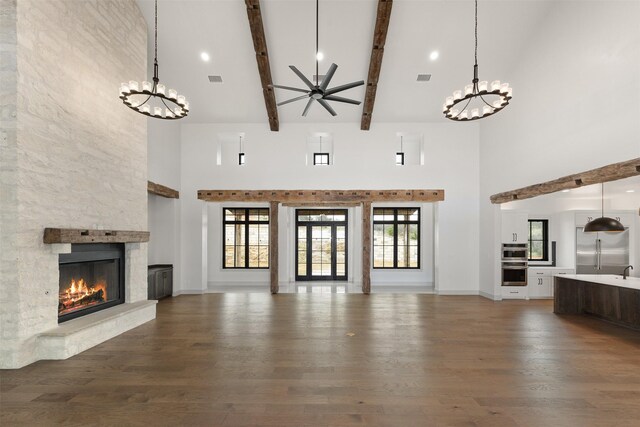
515 228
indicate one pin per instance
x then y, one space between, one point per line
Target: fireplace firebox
91 279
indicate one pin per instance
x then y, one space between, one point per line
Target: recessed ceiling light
565 191
631 191
320 56
205 56
434 55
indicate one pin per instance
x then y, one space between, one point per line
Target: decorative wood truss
319 198
161 190
375 64
262 57
607 173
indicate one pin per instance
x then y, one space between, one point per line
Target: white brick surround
72 156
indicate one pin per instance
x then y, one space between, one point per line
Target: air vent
424 77
318 78
215 79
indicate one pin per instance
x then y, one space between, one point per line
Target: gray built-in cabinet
160 281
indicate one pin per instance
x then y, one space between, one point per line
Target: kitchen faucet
624 272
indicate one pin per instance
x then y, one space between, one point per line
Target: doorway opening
321 244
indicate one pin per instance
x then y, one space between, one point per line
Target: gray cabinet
160 281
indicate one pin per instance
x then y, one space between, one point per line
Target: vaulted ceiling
221 28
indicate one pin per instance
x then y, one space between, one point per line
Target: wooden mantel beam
321 196
262 58
375 63
607 173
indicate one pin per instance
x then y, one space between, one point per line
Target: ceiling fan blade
341 99
326 105
290 88
297 98
306 109
302 77
343 87
328 76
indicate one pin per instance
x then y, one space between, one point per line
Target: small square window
320 159
400 159
241 159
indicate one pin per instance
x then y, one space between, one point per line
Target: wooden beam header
375 63
161 190
262 58
321 196
607 173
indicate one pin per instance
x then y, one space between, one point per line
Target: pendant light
476 92
240 153
152 99
603 224
400 154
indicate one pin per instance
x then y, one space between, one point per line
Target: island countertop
606 279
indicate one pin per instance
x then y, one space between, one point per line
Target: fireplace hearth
91 279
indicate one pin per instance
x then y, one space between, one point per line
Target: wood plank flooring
340 360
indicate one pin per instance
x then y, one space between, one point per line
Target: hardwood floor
341 360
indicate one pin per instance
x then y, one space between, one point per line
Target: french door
321 244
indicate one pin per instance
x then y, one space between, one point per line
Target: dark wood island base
616 304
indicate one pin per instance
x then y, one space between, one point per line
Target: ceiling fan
320 91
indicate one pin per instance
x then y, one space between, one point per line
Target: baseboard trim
490 296
463 292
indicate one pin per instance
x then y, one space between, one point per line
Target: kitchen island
608 297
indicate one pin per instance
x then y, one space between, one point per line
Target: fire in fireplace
91 279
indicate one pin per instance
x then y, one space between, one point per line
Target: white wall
575 107
164 214
362 160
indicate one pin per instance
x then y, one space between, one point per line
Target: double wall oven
514 264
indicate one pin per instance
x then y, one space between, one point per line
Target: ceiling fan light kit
167 104
320 91
476 91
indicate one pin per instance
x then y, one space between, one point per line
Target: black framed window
245 238
396 238
538 240
321 159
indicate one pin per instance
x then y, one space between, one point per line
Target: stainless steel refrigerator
601 253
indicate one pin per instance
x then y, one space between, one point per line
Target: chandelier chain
155 40
317 42
476 33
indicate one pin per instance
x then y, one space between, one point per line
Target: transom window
396 238
321 159
538 240
246 238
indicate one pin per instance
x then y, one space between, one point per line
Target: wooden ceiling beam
161 190
262 58
607 173
375 63
321 196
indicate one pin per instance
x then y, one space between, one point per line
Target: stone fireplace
71 156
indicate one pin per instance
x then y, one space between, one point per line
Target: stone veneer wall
72 154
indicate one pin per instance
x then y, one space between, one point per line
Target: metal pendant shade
603 224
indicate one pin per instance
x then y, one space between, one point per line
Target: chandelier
153 99
476 92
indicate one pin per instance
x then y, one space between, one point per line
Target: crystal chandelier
476 92
153 99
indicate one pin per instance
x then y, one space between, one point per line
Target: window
246 238
396 238
321 159
538 240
